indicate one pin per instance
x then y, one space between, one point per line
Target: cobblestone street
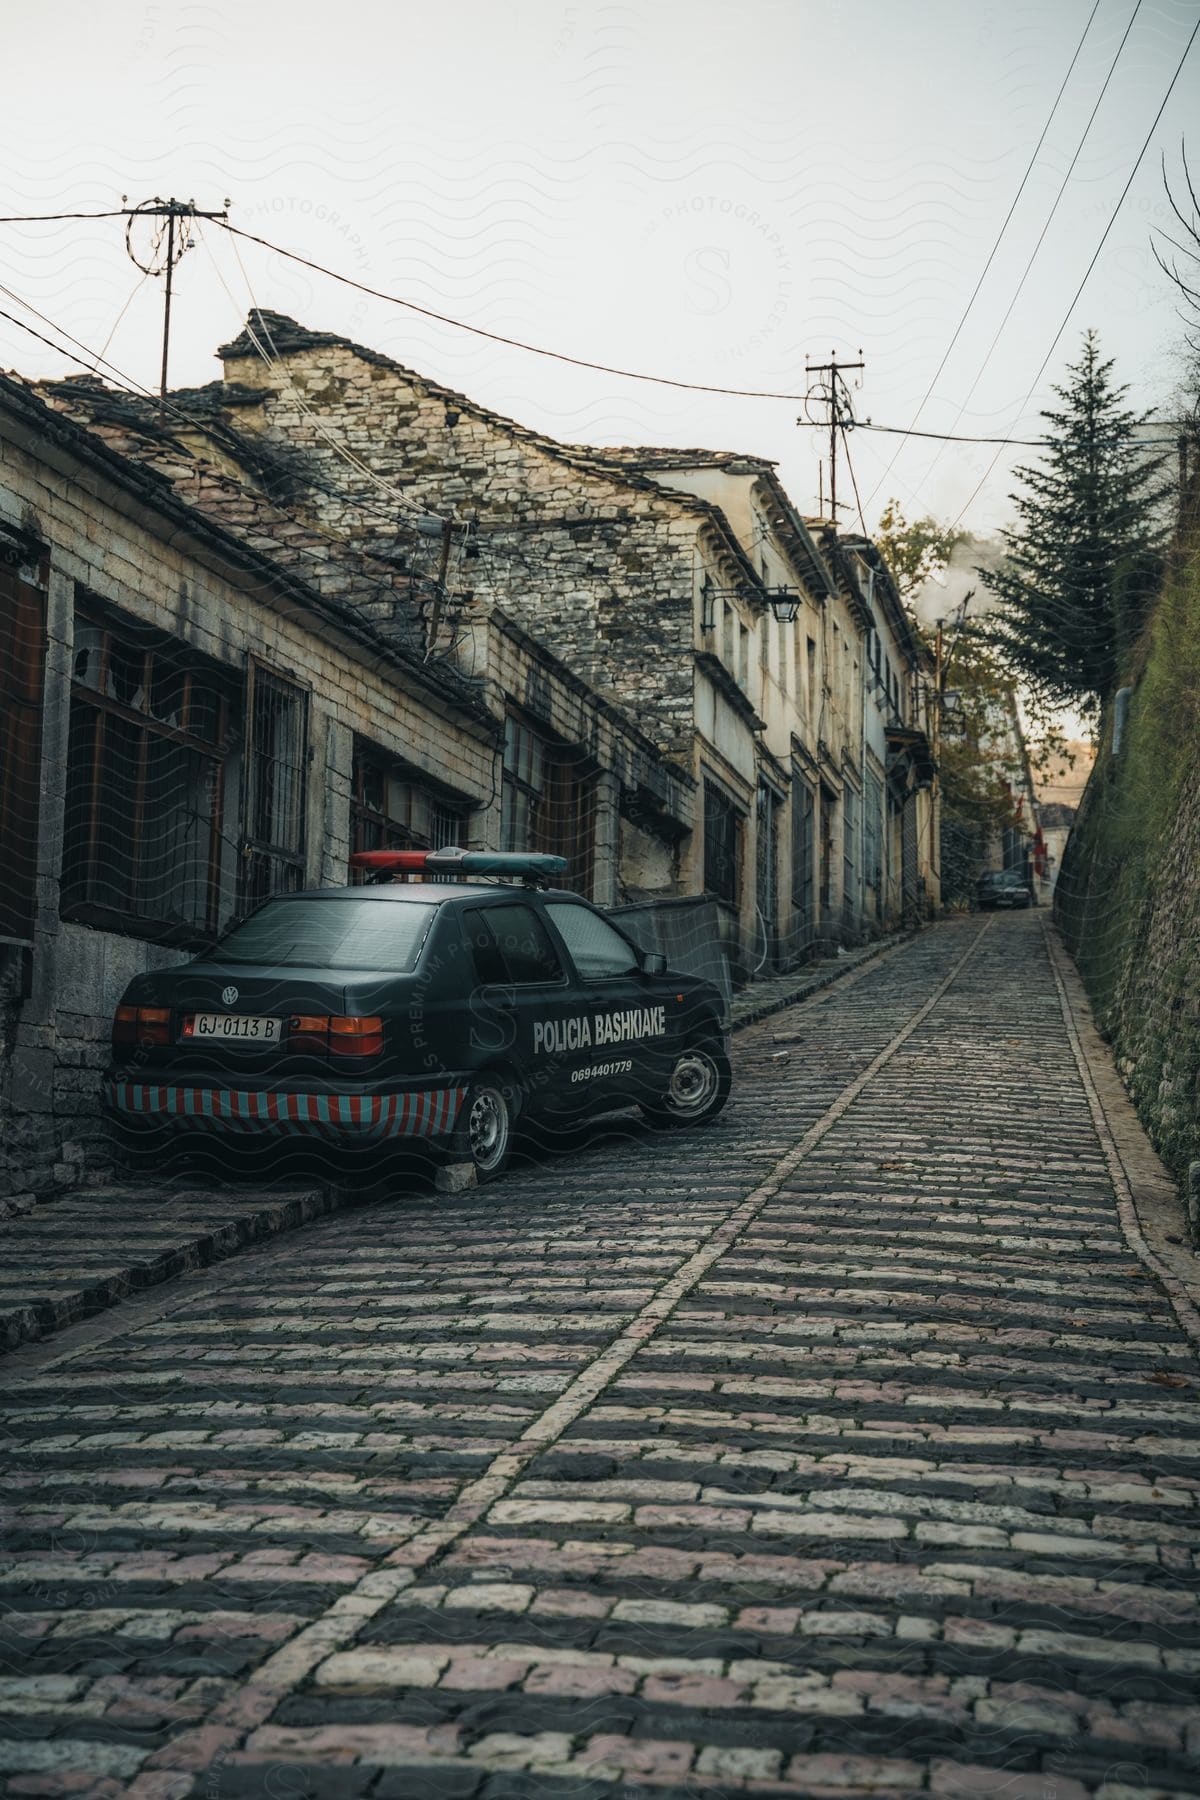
849 1447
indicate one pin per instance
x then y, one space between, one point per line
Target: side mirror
653 963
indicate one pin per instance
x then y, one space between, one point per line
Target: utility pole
170 210
836 395
439 586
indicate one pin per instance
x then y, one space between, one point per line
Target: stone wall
1128 894
107 543
602 567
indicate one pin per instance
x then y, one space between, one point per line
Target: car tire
697 1089
488 1127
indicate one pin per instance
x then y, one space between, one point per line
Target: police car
452 999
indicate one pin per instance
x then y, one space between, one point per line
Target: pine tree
1085 560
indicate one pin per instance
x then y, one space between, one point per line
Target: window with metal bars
849 849
22 668
723 833
769 804
873 835
391 809
802 861
273 854
548 801
153 737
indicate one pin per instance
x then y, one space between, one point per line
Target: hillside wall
1128 896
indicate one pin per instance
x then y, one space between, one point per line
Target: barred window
22 670
393 809
153 733
849 850
548 802
722 845
873 833
276 786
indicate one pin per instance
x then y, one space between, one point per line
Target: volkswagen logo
229 995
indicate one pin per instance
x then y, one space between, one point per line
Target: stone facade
647 572
108 563
452 628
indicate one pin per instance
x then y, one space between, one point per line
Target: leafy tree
916 553
977 696
1085 559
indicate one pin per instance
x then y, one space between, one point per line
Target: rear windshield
330 934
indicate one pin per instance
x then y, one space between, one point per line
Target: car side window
597 950
523 943
488 963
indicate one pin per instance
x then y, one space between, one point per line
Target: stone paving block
879 1484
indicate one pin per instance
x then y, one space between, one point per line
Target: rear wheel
697 1089
487 1130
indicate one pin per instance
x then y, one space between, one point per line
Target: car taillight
137 1026
309 1031
340 1035
355 1036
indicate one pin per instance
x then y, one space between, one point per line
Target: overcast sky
705 191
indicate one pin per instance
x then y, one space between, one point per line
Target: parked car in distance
1004 887
435 1009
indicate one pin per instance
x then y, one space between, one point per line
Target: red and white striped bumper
362 1118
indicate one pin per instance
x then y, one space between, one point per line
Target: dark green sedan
426 1011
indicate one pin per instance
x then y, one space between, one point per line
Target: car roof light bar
453 864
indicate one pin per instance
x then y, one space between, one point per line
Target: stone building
845 836
899 868
325 604
681 586
610 566
783 656
208 699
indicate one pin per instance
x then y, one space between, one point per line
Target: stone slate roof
374 596
288 337
648 456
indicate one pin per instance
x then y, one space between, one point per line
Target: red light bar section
458 862
397 862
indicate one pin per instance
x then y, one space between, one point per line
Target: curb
1151 1209
821 978
51 1231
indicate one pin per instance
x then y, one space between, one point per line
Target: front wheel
698 1087
487 1131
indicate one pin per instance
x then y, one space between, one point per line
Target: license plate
235 1028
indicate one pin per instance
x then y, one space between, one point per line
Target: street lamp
784 603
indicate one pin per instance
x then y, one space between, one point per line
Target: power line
142 280
192 421
271 357
991 255
1066 319
496 337
364 504
854 483
49 218
950 437
1062 188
